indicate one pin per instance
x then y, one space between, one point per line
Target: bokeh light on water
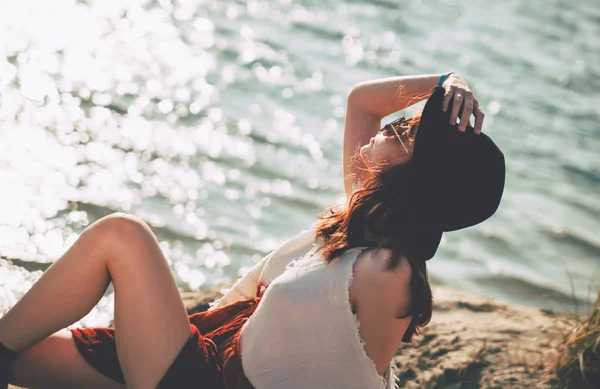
220 124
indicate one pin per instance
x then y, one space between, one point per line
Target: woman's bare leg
55 363
121 249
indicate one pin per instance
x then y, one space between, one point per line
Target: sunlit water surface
220 124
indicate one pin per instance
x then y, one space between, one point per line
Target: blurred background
220 123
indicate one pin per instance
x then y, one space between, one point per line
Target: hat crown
460 175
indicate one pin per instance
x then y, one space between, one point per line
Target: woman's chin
367 158
364 151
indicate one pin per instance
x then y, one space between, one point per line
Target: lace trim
304 258
391 378
356 325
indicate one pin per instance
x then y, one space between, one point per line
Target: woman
326 309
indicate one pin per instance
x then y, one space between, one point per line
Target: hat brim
426 244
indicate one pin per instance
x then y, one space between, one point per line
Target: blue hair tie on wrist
443 78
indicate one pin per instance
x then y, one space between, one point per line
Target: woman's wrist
444 77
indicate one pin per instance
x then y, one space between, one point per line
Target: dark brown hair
380 215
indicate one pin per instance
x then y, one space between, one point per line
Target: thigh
151 323
55 362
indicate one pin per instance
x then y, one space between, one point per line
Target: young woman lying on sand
327 309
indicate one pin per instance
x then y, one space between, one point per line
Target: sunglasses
408 134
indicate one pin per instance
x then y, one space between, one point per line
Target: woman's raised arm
371 101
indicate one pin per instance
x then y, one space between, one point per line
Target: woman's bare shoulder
374 283
379 296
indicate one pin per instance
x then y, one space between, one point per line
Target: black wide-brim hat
459 177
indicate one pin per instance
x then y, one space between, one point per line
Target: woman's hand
457 89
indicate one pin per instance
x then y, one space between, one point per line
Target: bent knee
120 227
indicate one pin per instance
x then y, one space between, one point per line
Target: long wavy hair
380 215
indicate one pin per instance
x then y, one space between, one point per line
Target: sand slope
473 342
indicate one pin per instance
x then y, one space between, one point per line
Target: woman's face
386 149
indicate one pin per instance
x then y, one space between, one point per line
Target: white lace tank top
304 335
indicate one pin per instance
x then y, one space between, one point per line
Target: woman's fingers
465 105
479 116
459 98
447 96
467 111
